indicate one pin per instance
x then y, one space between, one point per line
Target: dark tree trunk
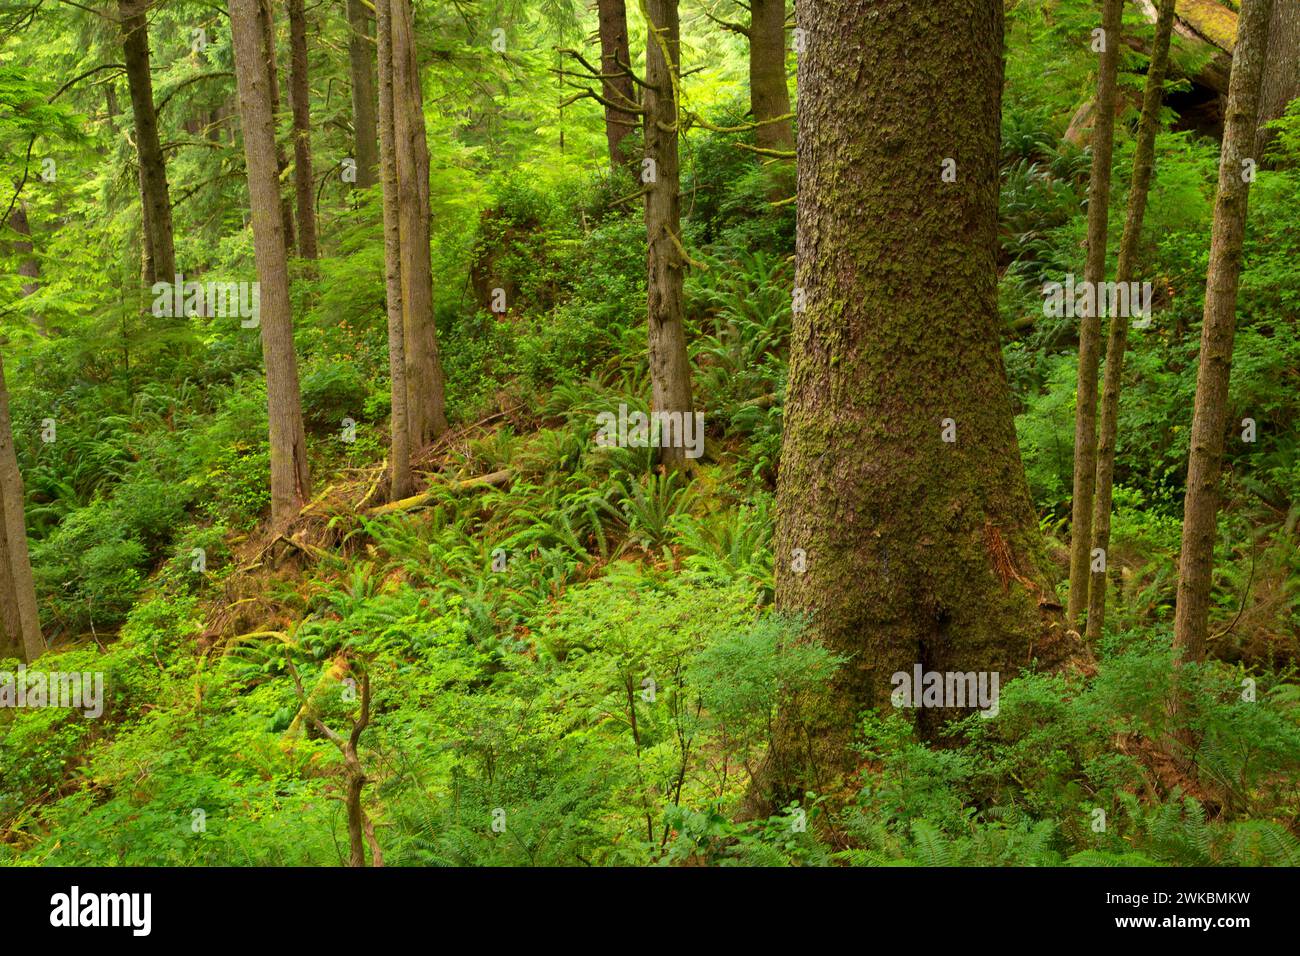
20 627
1210 415
300 96
399 454
1085 423
769 92
1143 163
290 483
425 405
1281 82
266 20
670 370
615 63
918 549
160 254
361 64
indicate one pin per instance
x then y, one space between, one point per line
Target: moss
1215 21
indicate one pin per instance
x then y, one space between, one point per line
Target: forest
668 433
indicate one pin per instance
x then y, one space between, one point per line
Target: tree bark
300 97
1143 163
425 403
1281 81
1085 421
615 62
290 483
361 64
1210 415
266 20
769 93
918 549
158 238
20 626
670 370
399 455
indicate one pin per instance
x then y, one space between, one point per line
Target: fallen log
495 479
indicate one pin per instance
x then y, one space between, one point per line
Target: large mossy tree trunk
917 549
670 370
1219 322
1117 340
20 627
1094 273
1281 82
290 483
617 88
361 67
399 454
158 239
300 103
425 402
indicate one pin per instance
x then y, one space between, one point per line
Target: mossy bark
159 249
1117 341
1210 415
918 550
399 454
670 371
1085 416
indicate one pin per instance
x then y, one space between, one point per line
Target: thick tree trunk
399 455
615 62
266 20
670 370
361 64
300 98
158 239
1210 415
28 266
1085 421
769 93
901 493
1281 82
20 627
1143 163
290 483
425 404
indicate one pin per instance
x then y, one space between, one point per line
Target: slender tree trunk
158 238
399 455
1281 82
1143 163
266 20
20 626
290 483
425 404
615 62
300 97
361 64
1210 415
670 370
28 266
905 532
1085 422
769 92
